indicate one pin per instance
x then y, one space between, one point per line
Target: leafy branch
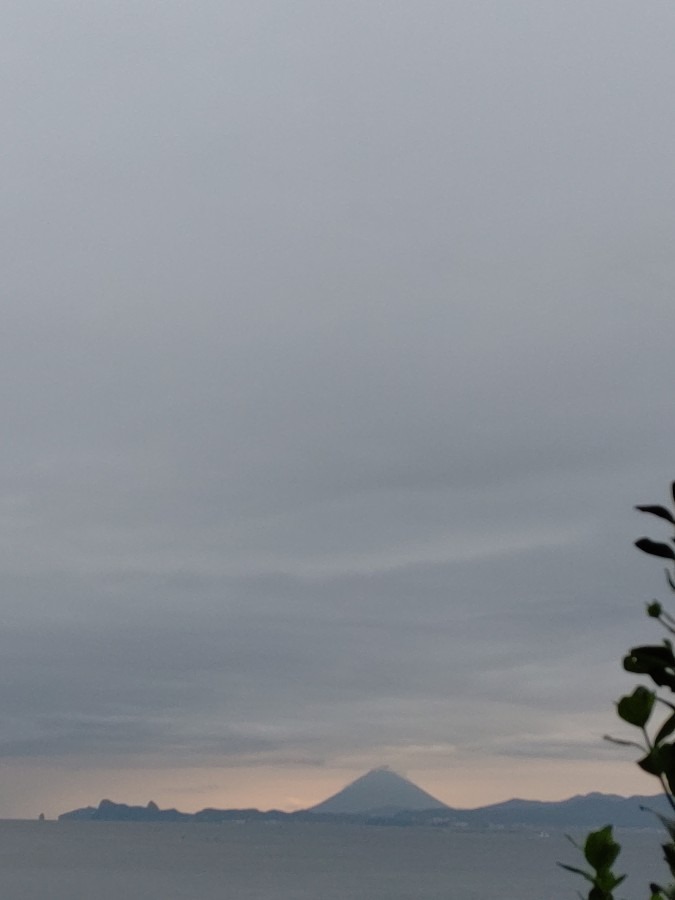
639 709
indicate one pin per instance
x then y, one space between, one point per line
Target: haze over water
109 861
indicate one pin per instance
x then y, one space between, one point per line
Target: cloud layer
336 348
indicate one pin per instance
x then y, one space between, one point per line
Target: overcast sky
337 344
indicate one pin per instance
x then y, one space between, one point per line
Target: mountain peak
379 792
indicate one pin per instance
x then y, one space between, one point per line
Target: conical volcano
378 792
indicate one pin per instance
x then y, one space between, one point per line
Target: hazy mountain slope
378 791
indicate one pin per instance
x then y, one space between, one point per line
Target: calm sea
111 861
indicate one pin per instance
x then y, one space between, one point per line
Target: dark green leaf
654 609
659 511
657 662
607 880
600 849
665 730
577 872
654 548
655 654
597 893
652 762
637 707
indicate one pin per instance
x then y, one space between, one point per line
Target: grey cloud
336 349
551 749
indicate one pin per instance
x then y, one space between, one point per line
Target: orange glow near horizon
30 790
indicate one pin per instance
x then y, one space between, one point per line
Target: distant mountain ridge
376 797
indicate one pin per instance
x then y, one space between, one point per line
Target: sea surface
294 861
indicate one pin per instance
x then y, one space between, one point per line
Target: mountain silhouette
378 792
382 797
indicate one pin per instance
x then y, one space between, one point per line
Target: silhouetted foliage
641 709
